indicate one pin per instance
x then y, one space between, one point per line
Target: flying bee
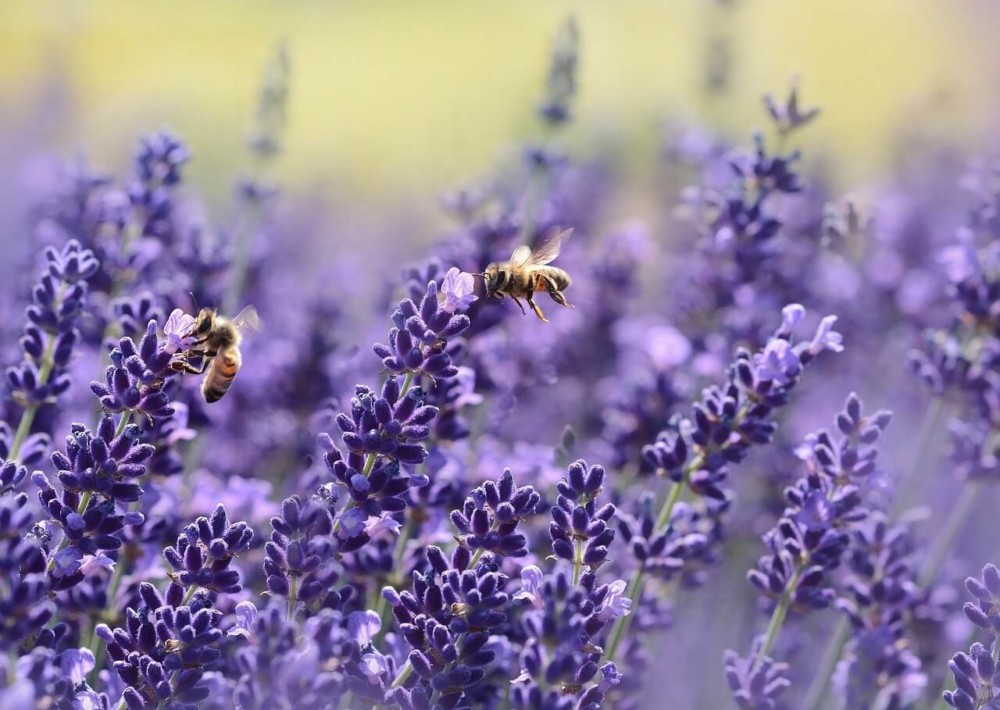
527 272
217 346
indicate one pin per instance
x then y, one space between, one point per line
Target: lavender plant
415 524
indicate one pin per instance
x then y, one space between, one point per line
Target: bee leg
520 305
536 309
555 294
188 368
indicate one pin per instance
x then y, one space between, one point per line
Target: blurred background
397 101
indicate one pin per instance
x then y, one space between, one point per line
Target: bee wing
549 247
521 256
247 320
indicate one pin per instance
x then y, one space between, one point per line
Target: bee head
495 277
205 322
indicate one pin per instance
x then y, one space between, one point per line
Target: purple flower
363 626
383 526
246 620
531 581
373 665
457 291
76 664
791 316
778 362
788 116
179 332
616 604
826 337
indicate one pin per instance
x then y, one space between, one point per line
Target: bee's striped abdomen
221 374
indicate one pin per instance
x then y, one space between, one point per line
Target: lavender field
725 434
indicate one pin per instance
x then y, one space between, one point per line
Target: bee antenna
194 301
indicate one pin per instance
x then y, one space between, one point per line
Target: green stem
946 537
403 674
293 592
911 479
407 383
241 259
11 666
816 694
23 429
44 372
122 423
622 623
778 618
577 561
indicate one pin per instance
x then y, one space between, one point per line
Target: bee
217 345
527 272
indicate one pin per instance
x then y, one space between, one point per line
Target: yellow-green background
403 99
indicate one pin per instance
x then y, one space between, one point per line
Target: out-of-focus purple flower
826 337
788 116
616 604
373 665
76 663
531 581
363 626
382 526
246 619
560 85
755 684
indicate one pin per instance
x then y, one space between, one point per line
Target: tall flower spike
579 529
50 335
811 538
300 555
